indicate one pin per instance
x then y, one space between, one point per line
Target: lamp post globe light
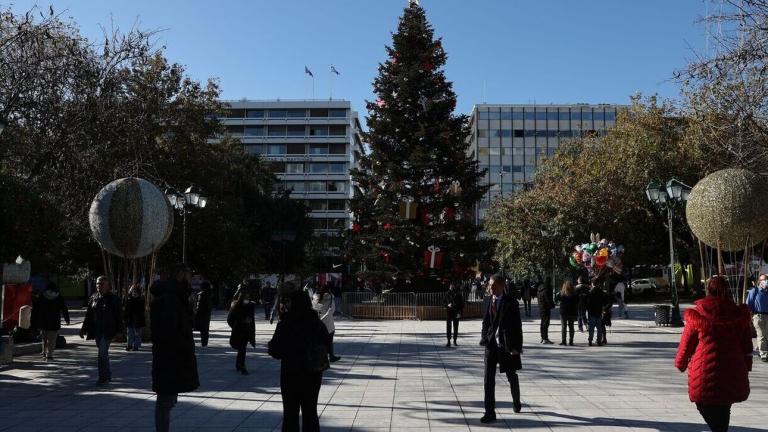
667 197
183 203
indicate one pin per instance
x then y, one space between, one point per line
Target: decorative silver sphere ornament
724 209
131 218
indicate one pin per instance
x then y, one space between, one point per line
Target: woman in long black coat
298 333
174 365
569 310
241 321
203 314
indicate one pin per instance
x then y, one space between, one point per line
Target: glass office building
310 145
511 140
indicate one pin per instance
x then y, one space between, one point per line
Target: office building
511 140
310 145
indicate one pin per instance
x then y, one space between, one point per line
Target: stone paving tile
394 376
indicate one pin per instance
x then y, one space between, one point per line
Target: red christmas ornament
356 228
388 226
428 66
433 258
385 256
449 213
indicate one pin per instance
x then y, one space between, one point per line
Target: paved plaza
394 375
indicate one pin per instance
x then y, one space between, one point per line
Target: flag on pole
333 69
308 72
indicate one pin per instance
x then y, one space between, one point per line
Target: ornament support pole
743 297
720 266
701 259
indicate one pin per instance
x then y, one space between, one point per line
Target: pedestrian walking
757 300
582 292
134 318
268 299
241 321
174 365
502 337
525 293
607 315
716 349
546 304
301 343
620 291
453 302
47 311
323 304
595 305
103 321
569 309
203 312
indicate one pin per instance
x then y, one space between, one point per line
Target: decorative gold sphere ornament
724 209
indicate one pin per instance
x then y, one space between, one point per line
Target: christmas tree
414 221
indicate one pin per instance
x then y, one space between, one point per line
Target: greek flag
308 72
333 69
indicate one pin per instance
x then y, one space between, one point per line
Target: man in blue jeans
595 304
102 323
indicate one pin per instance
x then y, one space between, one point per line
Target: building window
317 205
599 115
529 115
318 168
234 113
610 116
276 149
337 205
337 112
235 130
318 130
541 115
294 168
483 151
552 115
576 115
318 112
277 167
494 115
564 115
295 186
276 131
336 186
255 149
506 115
482 115
296 113
315 186
586 116
518 133
482 133
337 148
506 168
277 113
495 151
296 149
337 168
318 149
254 113
337 130
254 131
517 115
296 130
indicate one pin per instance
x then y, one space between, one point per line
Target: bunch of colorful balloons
597 255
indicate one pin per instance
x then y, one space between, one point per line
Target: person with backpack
174 365
134 318
301 342
323 304
546 304
454 306
203 313
241 320
47 310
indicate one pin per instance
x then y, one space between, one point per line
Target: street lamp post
667 196
183 203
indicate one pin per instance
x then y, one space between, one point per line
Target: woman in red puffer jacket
716 348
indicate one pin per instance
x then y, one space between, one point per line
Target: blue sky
510 51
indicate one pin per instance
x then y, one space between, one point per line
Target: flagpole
330 76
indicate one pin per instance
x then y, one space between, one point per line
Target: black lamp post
183 203
667 197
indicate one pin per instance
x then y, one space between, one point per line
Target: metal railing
421 306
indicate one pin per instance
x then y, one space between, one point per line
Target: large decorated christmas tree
414 221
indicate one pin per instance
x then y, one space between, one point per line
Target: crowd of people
715 347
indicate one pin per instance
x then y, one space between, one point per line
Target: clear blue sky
554 51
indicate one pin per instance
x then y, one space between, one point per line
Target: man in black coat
46 316
544 296
203 314
174 365
103 321
502 337
595 304
454 306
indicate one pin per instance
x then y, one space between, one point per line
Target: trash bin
663 314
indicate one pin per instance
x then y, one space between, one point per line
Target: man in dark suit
502 337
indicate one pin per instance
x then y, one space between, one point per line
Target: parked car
642 287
